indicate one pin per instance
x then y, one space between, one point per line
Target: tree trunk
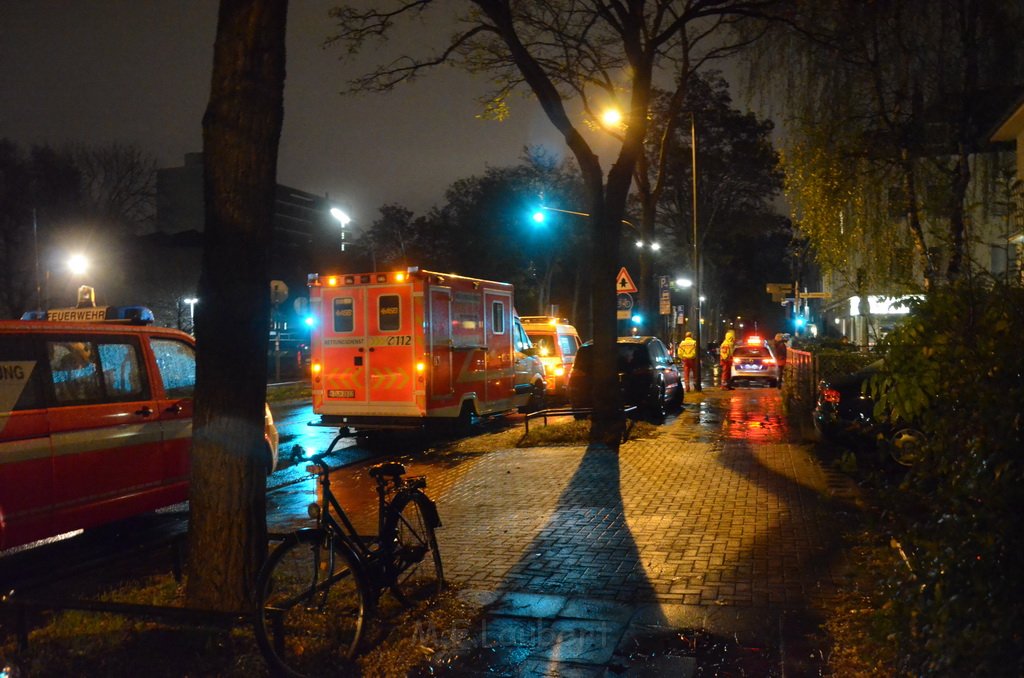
241 130
914 221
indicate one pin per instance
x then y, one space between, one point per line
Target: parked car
556 343
754 362
648 377
844 413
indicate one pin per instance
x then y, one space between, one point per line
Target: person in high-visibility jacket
688 355
725 358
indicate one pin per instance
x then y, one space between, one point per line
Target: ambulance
95 419
408 349
556 342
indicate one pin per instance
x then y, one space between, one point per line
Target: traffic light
539 216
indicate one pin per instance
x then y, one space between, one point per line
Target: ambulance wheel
463 424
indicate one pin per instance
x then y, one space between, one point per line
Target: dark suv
648 378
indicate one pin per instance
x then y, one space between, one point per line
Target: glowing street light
611 117
78 264
345 220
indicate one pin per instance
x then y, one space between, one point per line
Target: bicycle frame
335 523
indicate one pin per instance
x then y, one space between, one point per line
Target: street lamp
611 117
538 217
345 220
78 264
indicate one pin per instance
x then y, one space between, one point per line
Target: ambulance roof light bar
543 320
315 279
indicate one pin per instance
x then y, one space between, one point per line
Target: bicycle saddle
392 469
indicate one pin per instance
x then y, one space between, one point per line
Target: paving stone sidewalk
590 562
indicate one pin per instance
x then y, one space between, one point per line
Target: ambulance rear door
343 348
389 356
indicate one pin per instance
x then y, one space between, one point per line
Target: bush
956 368
834 363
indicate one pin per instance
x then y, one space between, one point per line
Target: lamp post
696 296
344 220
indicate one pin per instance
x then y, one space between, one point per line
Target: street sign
815 295
624 303
664 299
623 283
778 291
278 292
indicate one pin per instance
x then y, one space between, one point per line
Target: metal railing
800 380
570 411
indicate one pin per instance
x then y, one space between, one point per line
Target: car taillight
769 361
830 395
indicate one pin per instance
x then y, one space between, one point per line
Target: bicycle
320 585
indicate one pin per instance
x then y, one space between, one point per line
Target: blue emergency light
133 315
136 315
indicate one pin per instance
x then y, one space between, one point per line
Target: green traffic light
538 217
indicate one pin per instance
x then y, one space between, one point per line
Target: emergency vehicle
410 348
556 342
95 418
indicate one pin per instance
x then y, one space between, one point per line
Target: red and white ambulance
409 348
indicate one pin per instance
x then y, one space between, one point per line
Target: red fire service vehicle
95 418
411 348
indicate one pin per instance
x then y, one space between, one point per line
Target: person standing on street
779 348
688 355
725 359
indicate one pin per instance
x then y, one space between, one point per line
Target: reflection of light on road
286 505
755 417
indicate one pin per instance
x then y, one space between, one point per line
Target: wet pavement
708 550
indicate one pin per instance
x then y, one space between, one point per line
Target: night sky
138 71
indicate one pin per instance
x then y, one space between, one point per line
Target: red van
95 420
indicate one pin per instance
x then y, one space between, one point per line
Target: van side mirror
531 351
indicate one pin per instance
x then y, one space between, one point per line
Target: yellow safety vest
688 348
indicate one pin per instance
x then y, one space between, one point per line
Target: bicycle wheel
416 563
310 606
